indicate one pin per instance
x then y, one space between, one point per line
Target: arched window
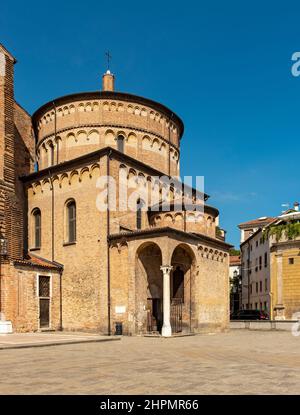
51 155
139 208
71 221
37 228
120 143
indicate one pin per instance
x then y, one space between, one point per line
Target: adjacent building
285 265
249 228
271 266
255 258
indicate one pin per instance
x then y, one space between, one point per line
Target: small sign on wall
120 309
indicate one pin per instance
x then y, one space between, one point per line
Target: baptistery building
92 237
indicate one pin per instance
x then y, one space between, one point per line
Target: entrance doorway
148 289
154 315
182 294
44 301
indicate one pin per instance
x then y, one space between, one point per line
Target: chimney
296 206
108 81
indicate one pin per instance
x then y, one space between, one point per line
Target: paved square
238 362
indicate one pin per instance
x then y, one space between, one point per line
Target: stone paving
238 362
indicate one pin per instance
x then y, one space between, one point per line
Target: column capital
166 269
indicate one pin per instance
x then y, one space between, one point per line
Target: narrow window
291 261
266 259
71 221
120 143
139 207
260 262
51 155
37 228
260 286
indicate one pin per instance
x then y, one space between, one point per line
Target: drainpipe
60 289
0 286
3 253
108 248
248 271
191 298
169 161
52 215
271 305
55 133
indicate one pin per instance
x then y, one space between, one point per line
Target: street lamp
3 246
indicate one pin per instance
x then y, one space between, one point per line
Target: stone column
166 328
279 307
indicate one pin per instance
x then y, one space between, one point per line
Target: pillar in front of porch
166 328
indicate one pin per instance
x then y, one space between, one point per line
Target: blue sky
223 66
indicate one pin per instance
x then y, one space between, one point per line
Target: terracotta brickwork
79 127
20 296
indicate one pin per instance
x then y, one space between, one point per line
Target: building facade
271 267
249 228
255 257
285 265
86 265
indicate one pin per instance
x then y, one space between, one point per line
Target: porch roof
173 232
34 261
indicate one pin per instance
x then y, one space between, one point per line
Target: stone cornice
88 158
285 245
167 231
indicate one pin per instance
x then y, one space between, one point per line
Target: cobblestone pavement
238 362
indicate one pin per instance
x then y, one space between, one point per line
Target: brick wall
20 297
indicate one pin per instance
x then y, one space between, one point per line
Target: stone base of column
279 312
5 327
166 331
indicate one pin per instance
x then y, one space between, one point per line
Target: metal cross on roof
108 56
